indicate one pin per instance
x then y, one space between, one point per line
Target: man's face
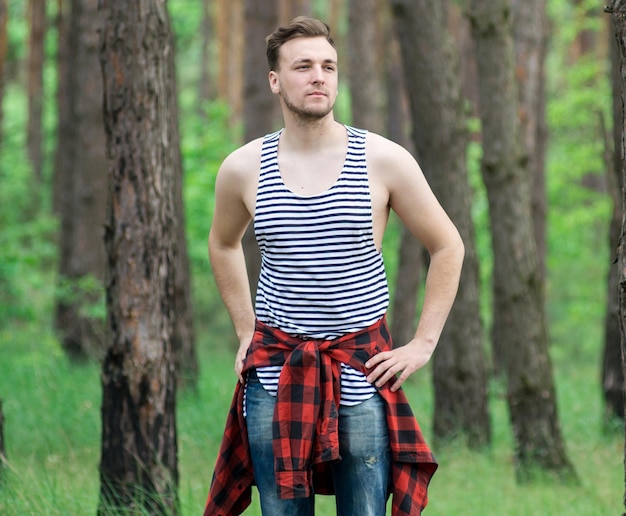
306 78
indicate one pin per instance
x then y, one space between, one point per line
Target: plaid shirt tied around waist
305 425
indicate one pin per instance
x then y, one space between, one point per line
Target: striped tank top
321 274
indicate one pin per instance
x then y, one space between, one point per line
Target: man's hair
300 27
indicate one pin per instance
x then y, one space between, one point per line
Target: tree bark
230 37
440 138
612 373
289 9
36 56
261 113
138 468
4 16
206 86
530 35
617 8
365 75
62 177
3 450
83 195
519 312
184 341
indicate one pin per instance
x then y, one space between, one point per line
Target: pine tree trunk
206 86
184 341
36 55
4 16
83 196
3 450
530 37
261 114
367 90
440 138
612 373
138 469
519 312
62 158
617 8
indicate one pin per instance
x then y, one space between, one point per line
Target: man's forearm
231 277
442 282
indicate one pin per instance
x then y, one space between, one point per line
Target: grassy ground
52 434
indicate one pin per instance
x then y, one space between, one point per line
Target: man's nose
318 75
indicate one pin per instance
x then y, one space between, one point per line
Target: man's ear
274 84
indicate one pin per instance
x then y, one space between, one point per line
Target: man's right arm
230 220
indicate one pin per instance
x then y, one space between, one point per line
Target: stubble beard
304 115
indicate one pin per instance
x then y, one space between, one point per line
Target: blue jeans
360 478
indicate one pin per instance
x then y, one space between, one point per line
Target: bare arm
233 193
404 187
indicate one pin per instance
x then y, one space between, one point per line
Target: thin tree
60 181
617 8
519 312
206 86
365 70
612 374
82 194
4 16
260 108
230 39
138 468
530 36
431 67
36 56
289 9
184 341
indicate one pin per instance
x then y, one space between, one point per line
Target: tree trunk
36 55
289 9
230 37
83 196
440 138
138 469
62 177
184 342
519 312
367 90
530 34
3 450
617 8
261 113
4 16
612 373
206 87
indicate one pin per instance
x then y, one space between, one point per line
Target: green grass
52 434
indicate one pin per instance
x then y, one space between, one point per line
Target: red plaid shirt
306 437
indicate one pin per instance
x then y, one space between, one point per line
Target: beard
307 114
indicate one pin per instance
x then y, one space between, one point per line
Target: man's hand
241 355
404 361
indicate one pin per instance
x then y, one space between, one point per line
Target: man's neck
305 136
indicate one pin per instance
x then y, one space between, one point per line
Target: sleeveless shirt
321 275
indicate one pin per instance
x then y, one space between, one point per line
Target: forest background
51 404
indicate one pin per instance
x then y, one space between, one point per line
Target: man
318 407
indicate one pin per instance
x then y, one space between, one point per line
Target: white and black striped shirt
321 274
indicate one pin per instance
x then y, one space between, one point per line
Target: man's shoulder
243 161
385 152
245 154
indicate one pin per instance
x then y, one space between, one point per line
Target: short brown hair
300 27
